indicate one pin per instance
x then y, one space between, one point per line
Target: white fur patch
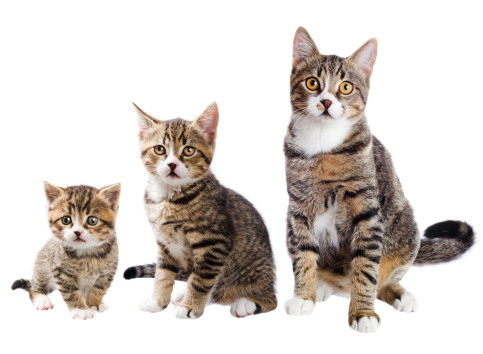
177 298
325 232
324 290
408 303
242 308
298 307
102 307
184 313
42 302
149 305
366 324
83 314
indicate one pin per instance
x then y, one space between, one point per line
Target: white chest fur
324 228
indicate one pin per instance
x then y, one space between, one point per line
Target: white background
69 72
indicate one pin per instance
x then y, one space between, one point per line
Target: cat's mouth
78 239
326 114
172 174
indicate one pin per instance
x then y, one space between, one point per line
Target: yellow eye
312 83
345 88
189 151
159 150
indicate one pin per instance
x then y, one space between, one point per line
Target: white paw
297 306
183 312
149 305
177 298
408 303
366 324
83 314
102 307
42 302
324 291
242 308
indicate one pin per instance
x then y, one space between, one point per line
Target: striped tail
148 271
22 284
444 242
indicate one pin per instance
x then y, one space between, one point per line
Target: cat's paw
242 308
83 314
408 303
42 302
324 291
102 307
185 312
178 298
365 323
149 305
297 306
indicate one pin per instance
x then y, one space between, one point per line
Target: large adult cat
350 230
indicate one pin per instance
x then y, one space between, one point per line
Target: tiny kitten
350 229
81 259
207 235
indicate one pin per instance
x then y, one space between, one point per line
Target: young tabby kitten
350 230
207 234
81 259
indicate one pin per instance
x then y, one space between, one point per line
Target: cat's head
328 87
82 217
178 152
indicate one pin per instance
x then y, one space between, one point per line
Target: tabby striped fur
206 234
81 259
350 230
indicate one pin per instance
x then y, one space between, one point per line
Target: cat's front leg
304 253
96 294
366 251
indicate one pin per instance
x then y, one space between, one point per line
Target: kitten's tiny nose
172 166
78 233
326 103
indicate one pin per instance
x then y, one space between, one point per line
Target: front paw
297 306
100 308
149 305
364 322
83 314
184 311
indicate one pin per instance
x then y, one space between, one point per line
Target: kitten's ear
365 57
303 46
145 121
208 122
111 194
52 192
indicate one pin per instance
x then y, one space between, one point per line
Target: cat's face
81 216
178 152
328 87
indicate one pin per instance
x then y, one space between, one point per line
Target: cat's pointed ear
303 46
145 121
208 122
111 194
52 192
365 57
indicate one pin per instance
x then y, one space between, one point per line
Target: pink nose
78 233
326 103
172 166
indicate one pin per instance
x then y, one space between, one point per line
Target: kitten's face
328 87
178 152
82 217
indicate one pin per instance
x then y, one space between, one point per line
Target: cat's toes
184 312
149 305
408 303
42 302
242 308
177 298
365 323
83 314
102 307
324 291
297 306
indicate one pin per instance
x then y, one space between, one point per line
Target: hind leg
41 301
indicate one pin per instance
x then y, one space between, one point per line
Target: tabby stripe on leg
369 214
167 266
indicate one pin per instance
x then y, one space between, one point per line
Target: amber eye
345 88
189 151
66 220
92 220
312 83
159 150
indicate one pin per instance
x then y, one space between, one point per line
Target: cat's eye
66 220
345 88
189 151
159 150
312 83
92 220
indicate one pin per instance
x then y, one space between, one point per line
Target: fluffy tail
444 242
148 271
21 284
